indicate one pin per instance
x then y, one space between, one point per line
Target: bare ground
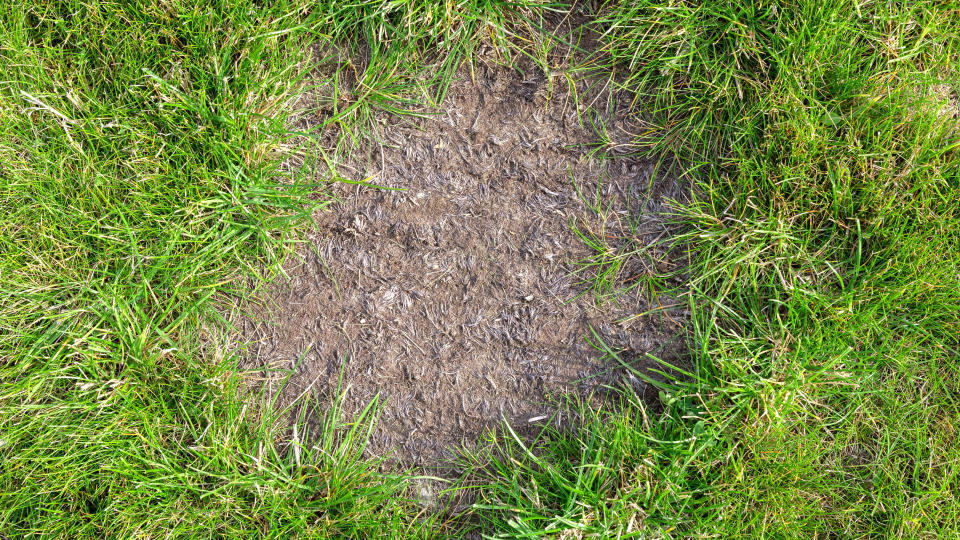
455 299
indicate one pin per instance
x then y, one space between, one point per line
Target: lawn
143 196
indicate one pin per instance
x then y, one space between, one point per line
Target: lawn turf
141 187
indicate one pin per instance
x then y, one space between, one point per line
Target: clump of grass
626 256
605 269
617 473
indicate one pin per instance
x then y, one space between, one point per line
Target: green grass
400 56
141 188
823 246
621 260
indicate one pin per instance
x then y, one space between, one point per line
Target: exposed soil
454 299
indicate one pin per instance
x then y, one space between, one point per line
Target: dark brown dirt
454 299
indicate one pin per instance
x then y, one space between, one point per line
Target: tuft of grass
625 257
615 473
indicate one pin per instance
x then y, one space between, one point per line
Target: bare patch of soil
454 299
